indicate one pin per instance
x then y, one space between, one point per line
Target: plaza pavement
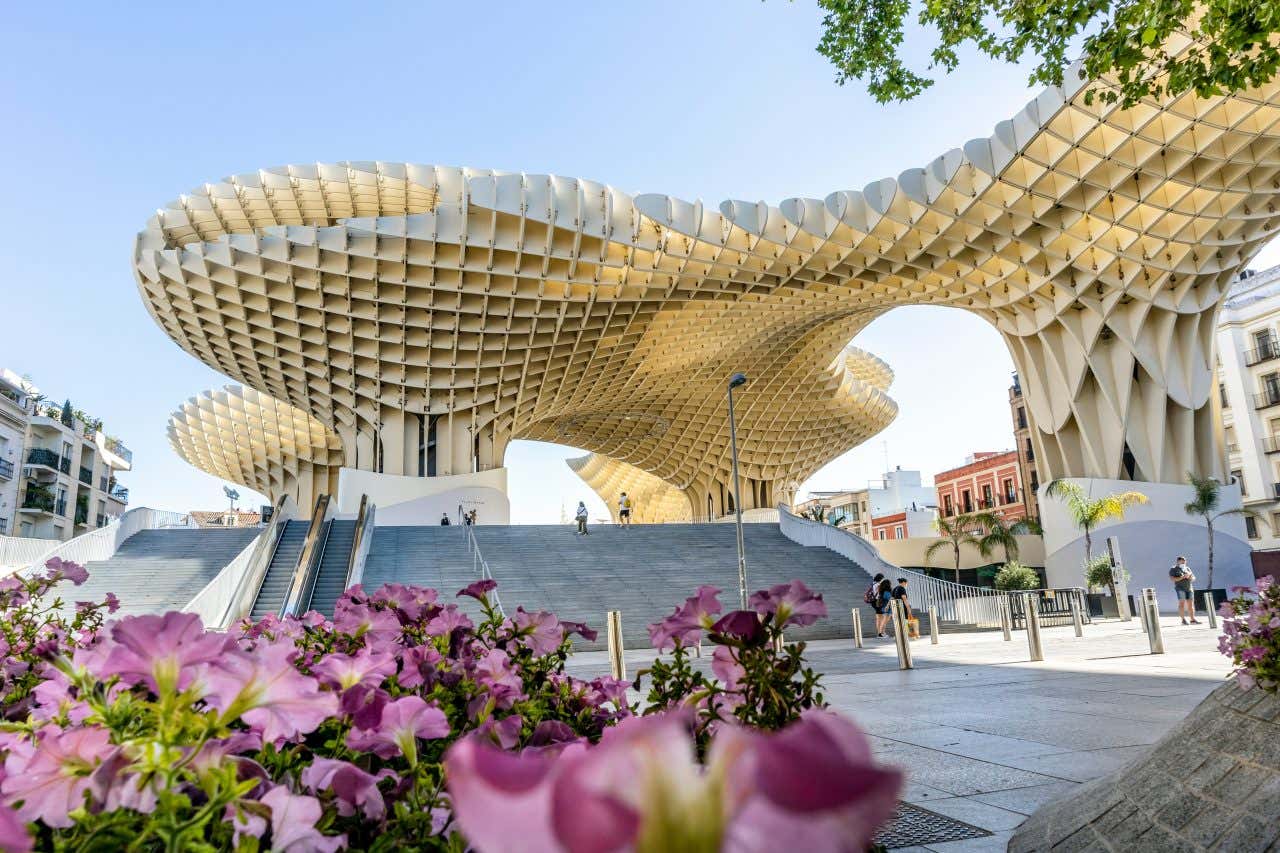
985 735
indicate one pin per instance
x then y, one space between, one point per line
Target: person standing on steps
581 516
444 519
1184 585
624 510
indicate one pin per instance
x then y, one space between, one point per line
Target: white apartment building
899 491
1249 393
63 478
14 415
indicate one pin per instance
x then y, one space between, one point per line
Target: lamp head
737 380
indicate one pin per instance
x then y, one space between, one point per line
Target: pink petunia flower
790 603
418 666
447 621
14 837
813 786
493 669
161 651
265 690
403 722
60 569
410 600
479 590
361 620
540 632
685 625
293 823
365 667
52 781
352 787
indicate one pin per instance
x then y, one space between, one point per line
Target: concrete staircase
644 571
332 578
159 570
276 582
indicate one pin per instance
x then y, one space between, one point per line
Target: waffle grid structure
408 306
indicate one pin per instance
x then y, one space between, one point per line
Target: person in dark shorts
1184 585
624 510
444 519
884 593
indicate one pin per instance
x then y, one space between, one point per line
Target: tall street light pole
737 381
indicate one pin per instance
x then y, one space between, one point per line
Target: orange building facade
987 482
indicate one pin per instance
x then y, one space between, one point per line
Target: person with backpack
581 517
872 597
624 511
884 594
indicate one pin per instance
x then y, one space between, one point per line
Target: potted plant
1098 575
1014 576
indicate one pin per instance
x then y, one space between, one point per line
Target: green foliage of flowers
1098 573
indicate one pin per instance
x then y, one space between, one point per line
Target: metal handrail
246 591
480 565
966 605
304 573
363 538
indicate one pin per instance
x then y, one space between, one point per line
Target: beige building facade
61 478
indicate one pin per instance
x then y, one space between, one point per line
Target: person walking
1184 585
624 510
884 594
466 519
900 593
444 519
581 516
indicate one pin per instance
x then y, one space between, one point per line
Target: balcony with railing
102 519
86 475
82 515
44 456
119 494
1265 351
6 469
1271 443
41 501
1269 397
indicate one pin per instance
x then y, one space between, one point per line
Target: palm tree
1001 535
1088 512
958 531
1205 504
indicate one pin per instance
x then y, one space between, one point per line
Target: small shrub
1013 575
1098 574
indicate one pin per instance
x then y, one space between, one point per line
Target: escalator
335 560
281 569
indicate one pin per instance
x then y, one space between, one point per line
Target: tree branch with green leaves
1132 45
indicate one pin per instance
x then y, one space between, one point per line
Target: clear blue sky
111 110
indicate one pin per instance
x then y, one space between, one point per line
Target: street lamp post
737 381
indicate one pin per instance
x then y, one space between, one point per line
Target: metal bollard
1142 613
1033 627
1209 610
697 650
900 638
1152 608
857 629
933 625
1006 618
1076 619
779 643
617 659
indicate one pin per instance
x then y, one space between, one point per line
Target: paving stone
1205 827
1248 835
1265 802
1214 769
1179 811
1240 783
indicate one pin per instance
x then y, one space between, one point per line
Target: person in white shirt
624 510
581 516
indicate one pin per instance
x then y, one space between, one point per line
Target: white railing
479 565
102 544
956 602
17 552
213 604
